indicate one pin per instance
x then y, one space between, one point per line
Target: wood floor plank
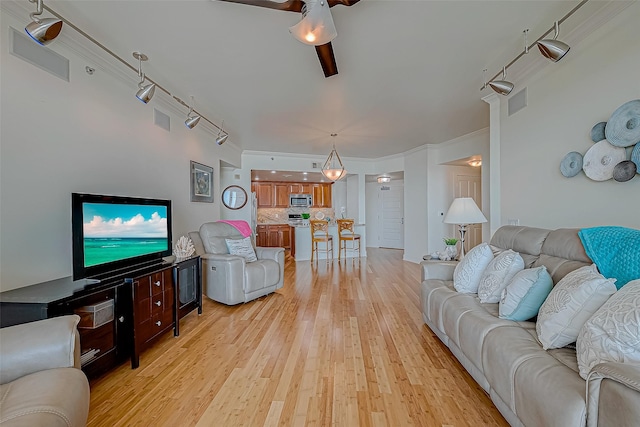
341 344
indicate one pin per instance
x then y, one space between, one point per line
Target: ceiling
410 72
292 176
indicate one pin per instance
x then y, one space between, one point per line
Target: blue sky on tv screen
113 220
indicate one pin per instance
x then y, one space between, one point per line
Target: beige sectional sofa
41 383
528 385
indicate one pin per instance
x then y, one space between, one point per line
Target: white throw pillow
468 272
522 298
498 275
612 334
242 247
570 304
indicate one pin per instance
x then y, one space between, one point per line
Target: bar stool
347 234
320 234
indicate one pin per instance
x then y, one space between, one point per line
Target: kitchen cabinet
274 235
299 188
264 194
281 195
321 195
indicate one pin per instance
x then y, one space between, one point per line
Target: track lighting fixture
553 49
43 31
146 92
222 135
502 87
191 121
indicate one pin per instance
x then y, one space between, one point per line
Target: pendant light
43 31
191 121
553 49
146 92
333 168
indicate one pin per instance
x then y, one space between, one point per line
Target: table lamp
463 211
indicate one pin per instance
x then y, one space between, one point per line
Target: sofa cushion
53 397
213 235
570 304
527 241
242 247
612 334
522 298
498 274
562 252
468 272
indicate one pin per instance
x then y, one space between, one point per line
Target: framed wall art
201 183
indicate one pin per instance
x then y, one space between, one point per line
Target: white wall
565 100
87 135
415 205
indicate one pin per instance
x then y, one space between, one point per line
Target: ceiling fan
316 27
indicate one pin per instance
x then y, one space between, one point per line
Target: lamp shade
464 210
317 27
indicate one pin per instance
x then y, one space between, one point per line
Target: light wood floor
341 344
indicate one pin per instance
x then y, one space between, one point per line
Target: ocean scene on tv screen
114 232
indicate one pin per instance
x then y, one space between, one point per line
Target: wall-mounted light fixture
45 30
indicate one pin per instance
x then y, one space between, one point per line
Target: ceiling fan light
316 27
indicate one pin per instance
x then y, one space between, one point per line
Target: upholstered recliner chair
40 376
230 279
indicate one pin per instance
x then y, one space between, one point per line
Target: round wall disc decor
601 158
597 132
623 128
624 171
635 156
571 165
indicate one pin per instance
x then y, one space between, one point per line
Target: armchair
41 383
229 279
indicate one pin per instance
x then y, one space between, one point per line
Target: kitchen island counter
303 242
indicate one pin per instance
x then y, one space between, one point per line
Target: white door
470 186
391 208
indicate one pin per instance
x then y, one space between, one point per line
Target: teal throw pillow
522 298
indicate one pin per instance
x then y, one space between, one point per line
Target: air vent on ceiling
518 101
161 119
42 57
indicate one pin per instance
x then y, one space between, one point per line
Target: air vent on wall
518 101
42 57
161 119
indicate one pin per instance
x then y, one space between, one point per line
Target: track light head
221 138
191 122
502 87
553 49
146 92
43 31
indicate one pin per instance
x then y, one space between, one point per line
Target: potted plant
451 250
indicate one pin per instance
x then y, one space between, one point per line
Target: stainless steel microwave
300 200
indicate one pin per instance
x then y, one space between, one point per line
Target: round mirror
234 197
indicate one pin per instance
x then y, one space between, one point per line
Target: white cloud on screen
156 226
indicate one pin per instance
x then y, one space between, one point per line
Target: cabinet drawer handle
158 323
157 283
121 319
158 303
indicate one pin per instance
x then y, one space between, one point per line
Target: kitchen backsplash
281 215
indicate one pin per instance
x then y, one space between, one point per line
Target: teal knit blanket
615 251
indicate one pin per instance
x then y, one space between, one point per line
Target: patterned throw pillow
522 298
612 334
468 272
498 275
242 247
570 304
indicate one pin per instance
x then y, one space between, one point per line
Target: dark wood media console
120 316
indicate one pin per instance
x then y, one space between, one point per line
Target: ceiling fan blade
327 60
289 5
343 2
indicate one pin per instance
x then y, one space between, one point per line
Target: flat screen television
113 234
